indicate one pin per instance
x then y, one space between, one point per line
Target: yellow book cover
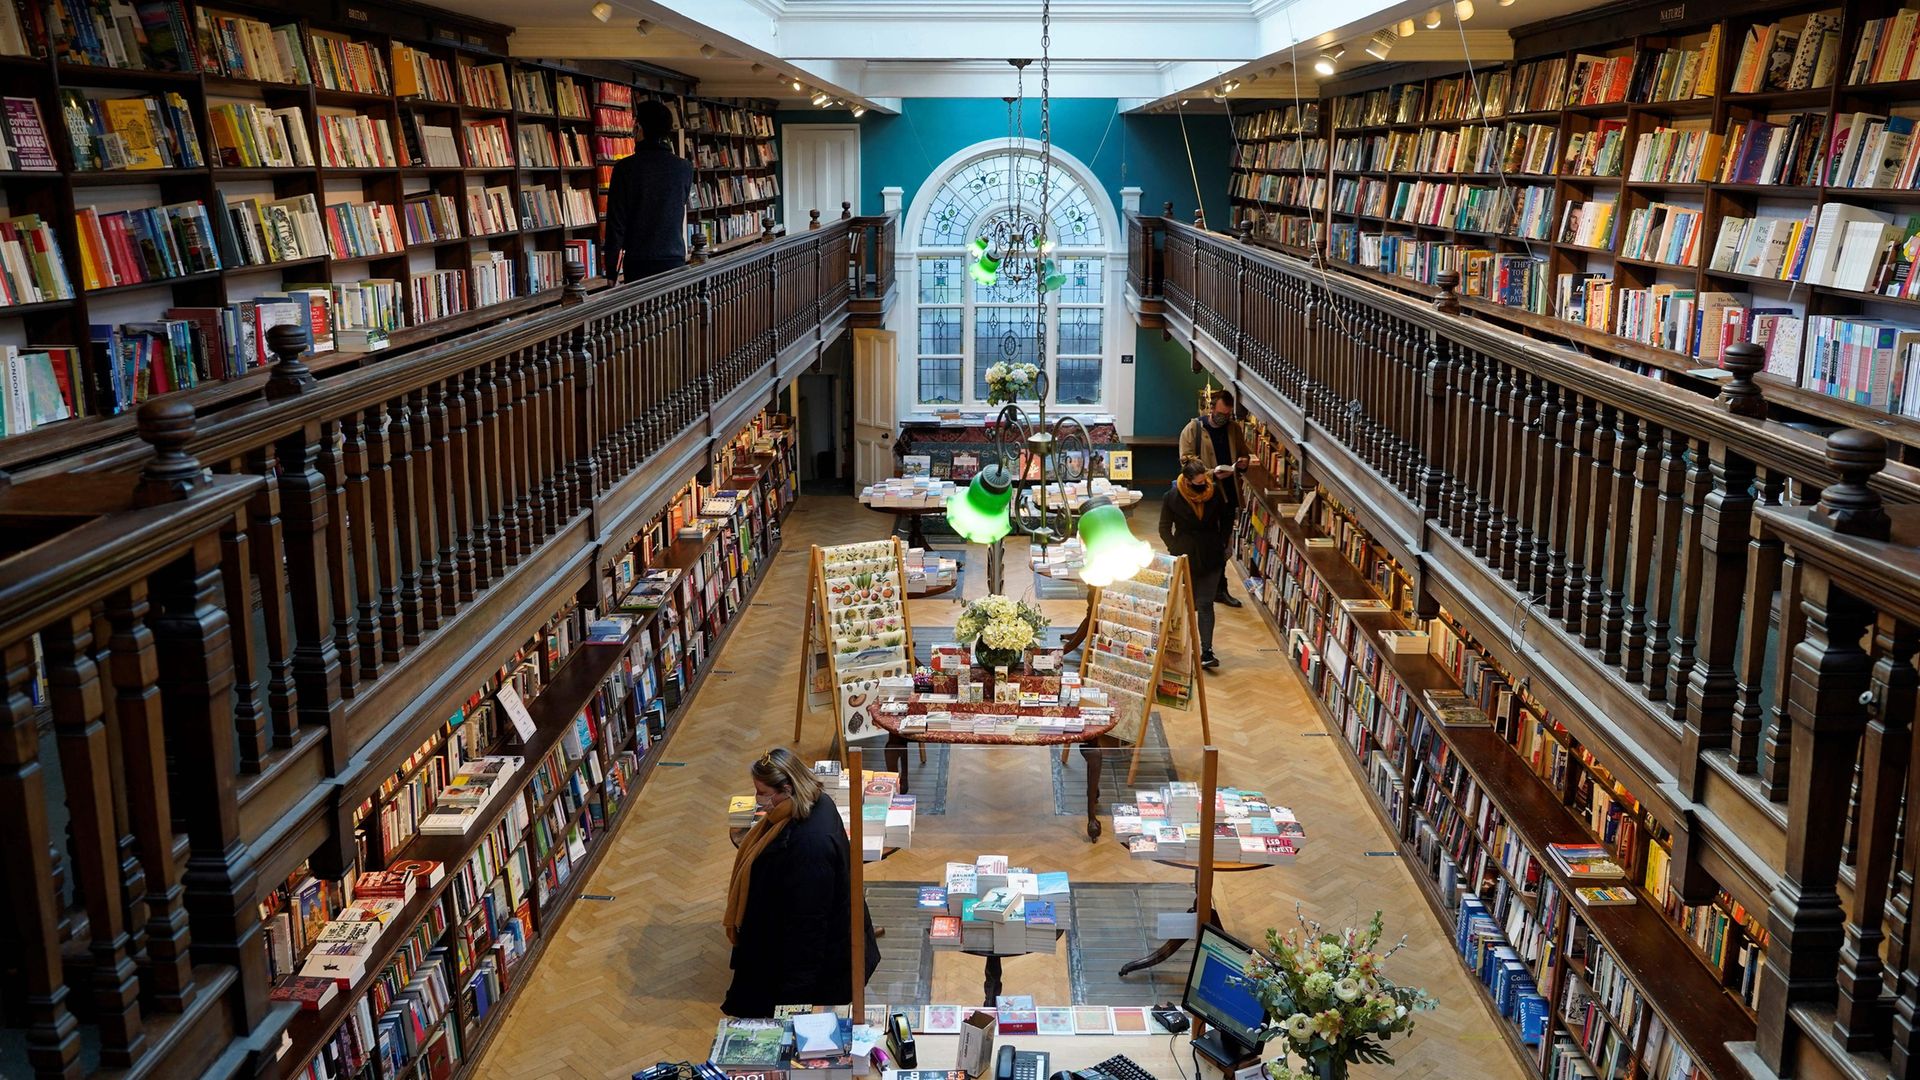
406 78
1709 64
128 118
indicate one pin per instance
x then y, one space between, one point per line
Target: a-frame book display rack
1141 639
857 632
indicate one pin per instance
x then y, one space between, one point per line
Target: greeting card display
857 633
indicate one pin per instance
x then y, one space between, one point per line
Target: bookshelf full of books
1649 198
477 843
1551 876
170 192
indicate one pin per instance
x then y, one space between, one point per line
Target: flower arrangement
1330 998
1008 382
1000 629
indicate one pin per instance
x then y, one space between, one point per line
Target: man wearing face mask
1215 441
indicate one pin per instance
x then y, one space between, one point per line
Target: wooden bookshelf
1427 779
1353 158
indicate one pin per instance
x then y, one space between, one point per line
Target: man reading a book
789 898
647 200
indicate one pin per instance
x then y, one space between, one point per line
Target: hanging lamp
1113 552
980 513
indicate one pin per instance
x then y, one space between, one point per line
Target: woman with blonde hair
789 900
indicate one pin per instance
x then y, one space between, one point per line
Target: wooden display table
1091 740
916 536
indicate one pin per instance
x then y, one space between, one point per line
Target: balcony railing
236 656
1631 538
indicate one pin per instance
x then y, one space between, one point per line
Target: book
312 993
1585 861
748 1042
1606 896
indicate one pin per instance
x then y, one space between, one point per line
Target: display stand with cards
856 634
1139 648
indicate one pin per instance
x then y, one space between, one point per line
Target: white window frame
1116 389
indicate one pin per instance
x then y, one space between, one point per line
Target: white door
876 354
819 170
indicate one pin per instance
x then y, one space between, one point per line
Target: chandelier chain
1046 169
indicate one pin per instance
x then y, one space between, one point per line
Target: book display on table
163 174
1165 823
1650 199
1529 849
986 906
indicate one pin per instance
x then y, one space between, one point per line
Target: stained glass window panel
1085 279
939 380
941 280
1080 332
1002 335
1079 381
940 331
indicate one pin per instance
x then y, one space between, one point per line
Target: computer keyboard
1122 1067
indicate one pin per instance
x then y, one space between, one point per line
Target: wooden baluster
1577 509
1724 536
134 670
1435 427
508 459
191 636
493 467
540 439
406 522
1543 474
1691 560
1774 774
386 535
567 493
479 510
1860 1015
1903 958
1487 525
459 458
1756 604
1645 524
1666 549
426 491
1804 914
358 510
93 849
1626 451
1516 539
316 666
1460 469
32 910
129 873
333 473
249 711
584 426
266 541
439 437
1597 507
525 438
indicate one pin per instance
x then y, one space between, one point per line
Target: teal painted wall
1149 152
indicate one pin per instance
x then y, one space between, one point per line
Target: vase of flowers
1000 629
1329 996
1010 382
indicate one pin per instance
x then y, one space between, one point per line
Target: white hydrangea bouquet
1009 382
1329 997
1000 629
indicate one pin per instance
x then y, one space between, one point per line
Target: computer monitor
1216 995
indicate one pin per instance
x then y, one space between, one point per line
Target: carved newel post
1244 233
1740 395
289 377
813 220
699 253
574 291
1849 506
846 210
1447 300
167 425
766 228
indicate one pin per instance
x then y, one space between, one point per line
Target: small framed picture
1120 464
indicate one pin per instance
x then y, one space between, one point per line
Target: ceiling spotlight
707 51
1506 3
1463 10
642 27
758 68
859 111
1433 19
1406 28
1271 72
1381 45
820 99
602 10
1229 86
1326 63
796 86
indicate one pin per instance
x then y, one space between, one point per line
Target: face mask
1214 419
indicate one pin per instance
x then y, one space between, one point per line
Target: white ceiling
1149 53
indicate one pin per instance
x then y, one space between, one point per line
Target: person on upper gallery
647 200
1193 520
789 898
1219 444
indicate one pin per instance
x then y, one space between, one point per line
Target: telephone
1020 1064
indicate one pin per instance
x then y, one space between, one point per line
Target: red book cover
311 992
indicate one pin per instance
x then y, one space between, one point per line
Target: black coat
1202 540
647 207
795 947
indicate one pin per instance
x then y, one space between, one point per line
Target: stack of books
742 811
907 493
1164 823
1586 862
464 800
987 904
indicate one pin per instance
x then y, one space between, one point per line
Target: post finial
699 253
813 220
167 425
1244 233
1166 208
574 291
846 210
1740 395
1447 301
1199 218
1849 506
289 377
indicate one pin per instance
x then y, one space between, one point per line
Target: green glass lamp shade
980 512
978 247
985 270
1051 279
1113 553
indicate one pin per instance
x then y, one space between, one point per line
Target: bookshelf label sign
1676 13
516 711
358 15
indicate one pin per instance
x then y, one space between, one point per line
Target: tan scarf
763 833
1197 495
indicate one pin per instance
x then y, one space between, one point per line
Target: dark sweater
647 208
1202 540
795 946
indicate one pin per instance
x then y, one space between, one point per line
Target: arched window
964 327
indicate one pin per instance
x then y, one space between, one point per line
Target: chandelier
1028 486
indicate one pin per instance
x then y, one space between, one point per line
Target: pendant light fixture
1113 552
979 512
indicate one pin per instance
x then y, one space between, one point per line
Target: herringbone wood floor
638 978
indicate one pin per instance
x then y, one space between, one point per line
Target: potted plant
1329 998
1000 630
1010 382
